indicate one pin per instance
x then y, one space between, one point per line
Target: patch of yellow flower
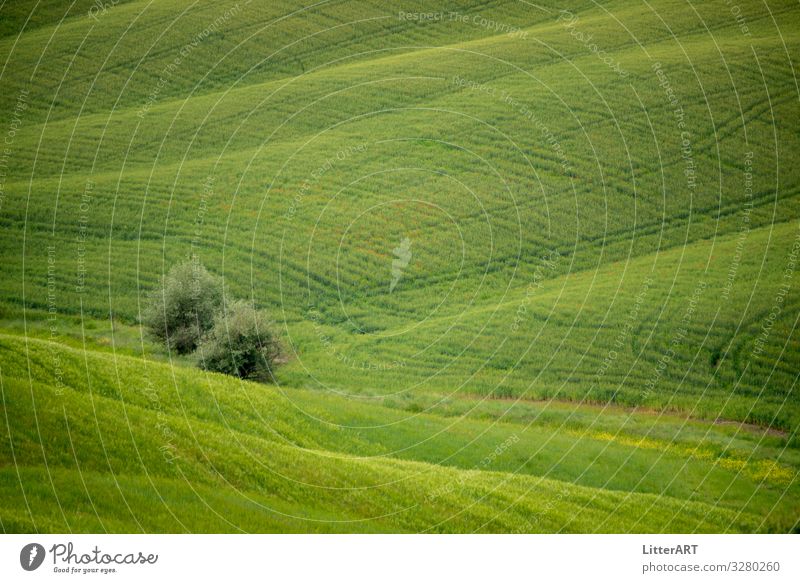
756 469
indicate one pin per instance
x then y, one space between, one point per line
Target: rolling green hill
535 267
115 433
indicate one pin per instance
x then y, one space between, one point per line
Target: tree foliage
241 343
182 309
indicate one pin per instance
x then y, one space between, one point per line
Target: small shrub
242 343
184 305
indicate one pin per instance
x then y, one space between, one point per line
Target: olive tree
183 307
241 343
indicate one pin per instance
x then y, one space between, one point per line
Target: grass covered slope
664 331
121 444
471 242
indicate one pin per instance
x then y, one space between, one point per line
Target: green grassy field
592 326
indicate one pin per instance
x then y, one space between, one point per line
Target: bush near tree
241 343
